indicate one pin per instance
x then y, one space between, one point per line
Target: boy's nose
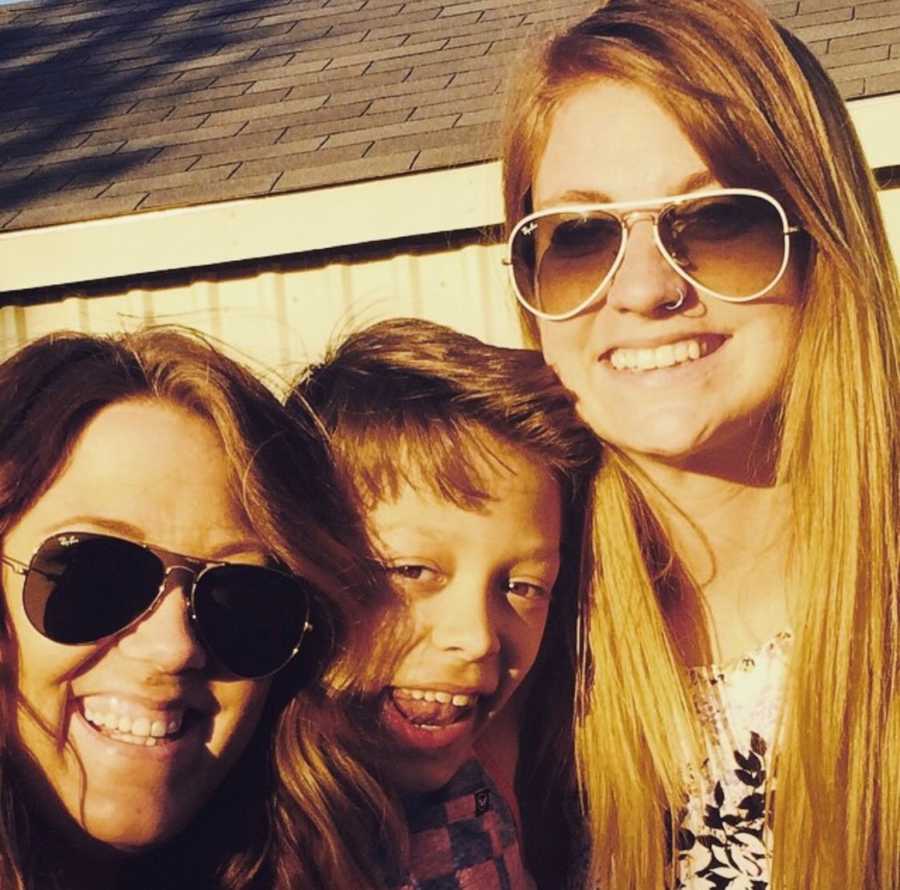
465 624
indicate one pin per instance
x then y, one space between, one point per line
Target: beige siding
280 318
890 204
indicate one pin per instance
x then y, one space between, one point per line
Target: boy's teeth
459 700
147 742
661 357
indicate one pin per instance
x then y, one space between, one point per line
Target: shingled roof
111 109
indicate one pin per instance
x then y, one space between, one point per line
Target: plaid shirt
463 837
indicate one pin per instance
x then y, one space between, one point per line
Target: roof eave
397 207
253 228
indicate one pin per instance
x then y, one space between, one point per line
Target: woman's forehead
615 142
152 466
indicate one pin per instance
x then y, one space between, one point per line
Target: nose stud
678 302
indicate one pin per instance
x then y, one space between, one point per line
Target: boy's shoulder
464 836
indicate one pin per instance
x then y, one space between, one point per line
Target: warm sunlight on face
722 363
87 710
478 583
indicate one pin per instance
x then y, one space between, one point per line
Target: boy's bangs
450 460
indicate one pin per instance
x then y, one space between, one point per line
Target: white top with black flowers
723 841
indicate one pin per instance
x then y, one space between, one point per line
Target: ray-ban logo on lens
528 229
67 540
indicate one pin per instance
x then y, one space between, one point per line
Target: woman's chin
670 444
119 835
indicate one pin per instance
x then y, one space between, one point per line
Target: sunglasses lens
561 259
251 618
81 591
731 245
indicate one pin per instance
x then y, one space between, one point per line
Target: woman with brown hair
177 573
696 247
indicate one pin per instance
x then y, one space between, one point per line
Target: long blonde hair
761 112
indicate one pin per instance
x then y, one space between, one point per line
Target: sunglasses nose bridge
190 576
630 217
628 220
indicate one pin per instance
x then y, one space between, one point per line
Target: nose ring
678 302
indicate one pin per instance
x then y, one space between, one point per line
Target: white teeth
665 356
459 699
131 739
142 730
661 357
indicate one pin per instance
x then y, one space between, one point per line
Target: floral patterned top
723 841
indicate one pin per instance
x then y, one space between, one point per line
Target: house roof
111 109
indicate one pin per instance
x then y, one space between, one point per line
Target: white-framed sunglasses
731 243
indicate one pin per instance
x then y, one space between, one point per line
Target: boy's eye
410 572
414 577
527 590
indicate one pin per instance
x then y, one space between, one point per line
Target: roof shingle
161 103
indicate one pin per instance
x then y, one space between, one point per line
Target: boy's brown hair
407 401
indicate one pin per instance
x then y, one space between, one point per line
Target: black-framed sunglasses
82 587
733 244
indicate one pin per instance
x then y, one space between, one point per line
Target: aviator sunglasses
81 588
731 243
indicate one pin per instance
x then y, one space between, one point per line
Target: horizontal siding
278 319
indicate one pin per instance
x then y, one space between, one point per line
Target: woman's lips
183 743
128 722
673 354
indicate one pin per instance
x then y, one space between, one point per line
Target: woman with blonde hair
696 246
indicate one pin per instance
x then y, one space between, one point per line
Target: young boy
469 471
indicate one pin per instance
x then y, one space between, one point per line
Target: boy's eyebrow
381 528
547 555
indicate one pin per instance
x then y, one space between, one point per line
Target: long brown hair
758 108
279 820
411 401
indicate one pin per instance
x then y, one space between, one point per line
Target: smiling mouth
432 708
669 355
143 731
